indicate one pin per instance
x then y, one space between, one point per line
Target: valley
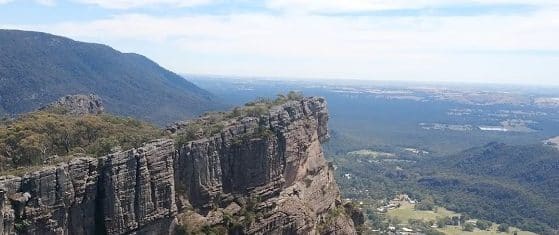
476 153
410 218
279 117
442 119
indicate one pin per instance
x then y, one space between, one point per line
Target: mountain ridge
38 68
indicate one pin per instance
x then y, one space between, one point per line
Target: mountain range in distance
39 68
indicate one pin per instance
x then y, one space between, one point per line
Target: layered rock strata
120 193
275 160
257 175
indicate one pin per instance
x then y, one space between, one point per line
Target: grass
371 153
455 230
406 211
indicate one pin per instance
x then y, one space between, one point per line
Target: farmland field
406 212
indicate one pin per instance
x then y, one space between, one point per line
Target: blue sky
493 41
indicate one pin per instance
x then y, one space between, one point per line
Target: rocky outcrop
137 188
77 105
131 191
274 160
54 200
257 175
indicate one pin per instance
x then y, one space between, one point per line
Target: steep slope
271 168
38 68
509 184
256 173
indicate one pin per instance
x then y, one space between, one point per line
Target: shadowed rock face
272 165
116 194
284 170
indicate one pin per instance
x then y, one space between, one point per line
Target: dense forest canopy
38 68
516 185
34 137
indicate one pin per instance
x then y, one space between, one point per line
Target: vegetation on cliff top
213 122
34 138
47 137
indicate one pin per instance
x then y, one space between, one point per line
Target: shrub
503 228
483 225
34 137
468 227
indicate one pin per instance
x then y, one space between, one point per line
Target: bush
483 225
468 227
433 232
427 204
442 222
295 95
503 228
34 137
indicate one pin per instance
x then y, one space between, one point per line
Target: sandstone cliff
262 174
116 194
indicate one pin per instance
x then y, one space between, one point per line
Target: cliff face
273 164
116 194
263 175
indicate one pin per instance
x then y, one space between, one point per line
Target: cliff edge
262 173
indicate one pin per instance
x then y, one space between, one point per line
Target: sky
482 41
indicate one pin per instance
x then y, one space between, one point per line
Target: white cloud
5 1
339 6
503 48
311 35
126 4
347 5
46 2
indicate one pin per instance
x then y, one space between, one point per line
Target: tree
294 95
469 227
237 112
433 232
395 221
376 220
34 137
442 222
280 99
503 228
34 145
483 224
427 204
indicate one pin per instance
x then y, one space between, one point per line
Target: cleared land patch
371 153
406 212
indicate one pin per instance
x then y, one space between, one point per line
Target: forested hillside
507 184
38 68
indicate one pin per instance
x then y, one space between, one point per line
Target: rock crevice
265 175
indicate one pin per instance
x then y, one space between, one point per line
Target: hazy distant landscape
303 117
441 119
413 138
440 158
